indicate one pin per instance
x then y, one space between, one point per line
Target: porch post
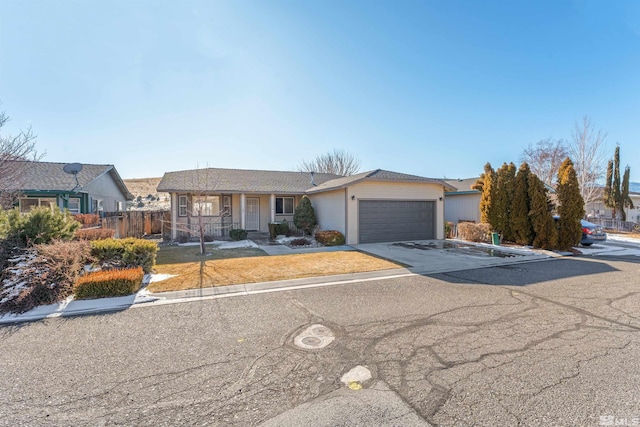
272 206
243 204
174 216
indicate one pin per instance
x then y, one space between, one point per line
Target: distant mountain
146 195
634 187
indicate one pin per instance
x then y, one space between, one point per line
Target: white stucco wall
330 210
373 190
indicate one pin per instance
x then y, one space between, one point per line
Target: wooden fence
138 223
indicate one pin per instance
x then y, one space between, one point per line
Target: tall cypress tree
486 184
544 228
505 187
624 194
616 194
608 186
571 206
520 206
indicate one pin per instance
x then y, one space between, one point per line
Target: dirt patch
221 272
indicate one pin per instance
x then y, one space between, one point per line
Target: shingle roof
375 175
49 176
218 180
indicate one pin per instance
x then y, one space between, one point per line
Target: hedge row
125 253
109 283
87 219
330 237
474 232
95 233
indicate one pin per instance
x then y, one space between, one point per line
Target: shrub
278 229
330 237
41 225
87 219
448 229
474 232
299 242
43 275
95 233
125 253
109 283
304 216
238 234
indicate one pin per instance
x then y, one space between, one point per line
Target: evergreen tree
571 206
544 228
616 194
520 206
608 186
304 216
485 184
624 194
504 189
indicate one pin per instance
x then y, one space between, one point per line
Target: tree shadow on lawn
529 273
189 254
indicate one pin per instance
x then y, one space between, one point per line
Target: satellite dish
73 169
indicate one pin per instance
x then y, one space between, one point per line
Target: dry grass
235 271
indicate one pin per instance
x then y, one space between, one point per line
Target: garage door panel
394 220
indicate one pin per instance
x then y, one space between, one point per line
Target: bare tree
338 162
545 157
587 151
204 208
14 147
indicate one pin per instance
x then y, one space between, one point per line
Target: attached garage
381 206
396 220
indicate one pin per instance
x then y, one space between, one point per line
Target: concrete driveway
438 256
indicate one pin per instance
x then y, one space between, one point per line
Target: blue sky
432 88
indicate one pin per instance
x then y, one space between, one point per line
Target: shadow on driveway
524 274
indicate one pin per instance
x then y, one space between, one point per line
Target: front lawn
206 272
177 254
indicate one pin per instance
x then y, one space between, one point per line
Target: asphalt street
541 343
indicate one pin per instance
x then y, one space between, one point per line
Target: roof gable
49 176
376 175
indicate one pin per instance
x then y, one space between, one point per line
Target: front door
253 214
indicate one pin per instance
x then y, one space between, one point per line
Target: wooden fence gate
138 223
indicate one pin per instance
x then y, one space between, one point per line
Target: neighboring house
375 206
463 204
597 209
99 188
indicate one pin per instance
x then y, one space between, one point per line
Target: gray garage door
395 220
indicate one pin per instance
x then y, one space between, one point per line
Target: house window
206 205
29 203
74 205
226 205
119 206
182 205
96 206
284 205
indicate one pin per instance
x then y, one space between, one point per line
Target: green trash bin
495 238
